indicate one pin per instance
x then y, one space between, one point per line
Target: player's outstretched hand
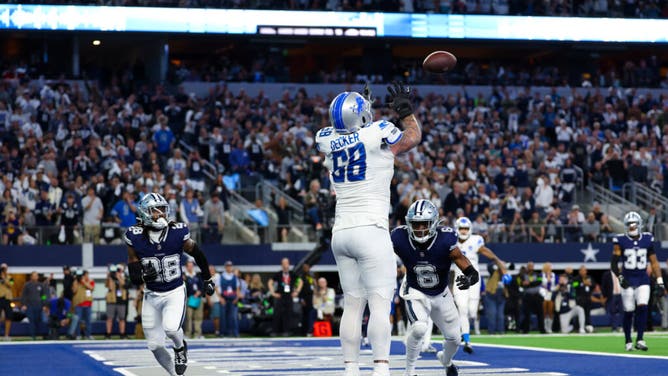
401 101
463 282
366 92
660 290
623 283
150 274
209 287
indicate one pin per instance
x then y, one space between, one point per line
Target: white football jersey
361 166
470 248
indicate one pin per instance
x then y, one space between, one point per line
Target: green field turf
608 343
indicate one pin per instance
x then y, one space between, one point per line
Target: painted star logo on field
589 253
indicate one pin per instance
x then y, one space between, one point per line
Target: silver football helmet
422 220
349 111
153 211
460 224
633 223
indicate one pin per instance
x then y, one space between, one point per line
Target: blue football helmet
463 223
632 223
349 112
153 211
425 212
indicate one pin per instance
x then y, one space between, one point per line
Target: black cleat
467 348
452 370
181 359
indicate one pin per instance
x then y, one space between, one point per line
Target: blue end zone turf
302 356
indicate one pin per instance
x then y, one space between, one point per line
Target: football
439 62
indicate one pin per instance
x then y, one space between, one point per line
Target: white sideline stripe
572 351
95 355
124 372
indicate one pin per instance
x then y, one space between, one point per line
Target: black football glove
623 283
209 287
401 99
659 290
150 274
366 93
463 282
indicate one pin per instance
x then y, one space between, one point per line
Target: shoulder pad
399 229
181 228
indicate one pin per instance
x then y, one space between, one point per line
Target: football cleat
629 346
641 345
467 348
452 370
181 359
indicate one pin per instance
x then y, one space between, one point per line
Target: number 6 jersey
361 167
428 265
164 255
635 257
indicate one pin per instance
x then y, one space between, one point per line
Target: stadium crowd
77 158
579 8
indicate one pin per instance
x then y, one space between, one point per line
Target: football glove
463 282
209 287
150 274
401 99
660 288
623 283
366 92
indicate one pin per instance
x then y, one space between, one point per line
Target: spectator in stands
163 138
213 220
70 212
33 297
583 287
544 195
517 231
12 231
230 288
195 308
284 286
111 231
45 214
93 211
82 300
311 205
116 299
6 296
536 228
496 227
532 301
564 301
191 213
261 218
323 301
125 210
612 293
591 229
284 214
574 225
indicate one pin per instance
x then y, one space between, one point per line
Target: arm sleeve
201 261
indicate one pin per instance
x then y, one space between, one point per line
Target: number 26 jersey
165 255
635 257
361 166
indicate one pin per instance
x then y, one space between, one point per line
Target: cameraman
59 315
564 302
117 299
6 297
83 301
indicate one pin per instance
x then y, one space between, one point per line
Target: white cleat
629 346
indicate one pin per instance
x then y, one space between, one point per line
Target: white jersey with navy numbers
361 166
470 248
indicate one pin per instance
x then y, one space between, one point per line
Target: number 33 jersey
427 268
635 257
164 255
361 166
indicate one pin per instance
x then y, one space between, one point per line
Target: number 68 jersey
361 166
635 257
427 266
164 255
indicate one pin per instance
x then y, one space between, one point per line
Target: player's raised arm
192 248
401 103
490 255
470 276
